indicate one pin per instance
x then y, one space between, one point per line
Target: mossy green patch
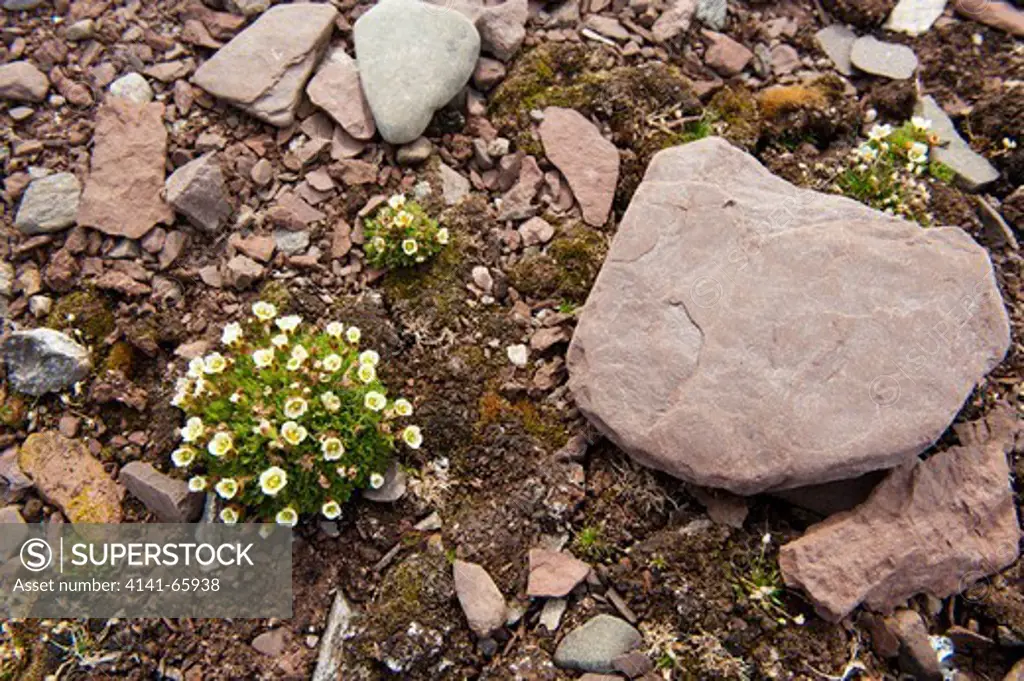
86 311
276 292
567 270
121 358
739 120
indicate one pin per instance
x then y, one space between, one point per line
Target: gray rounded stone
43 360
49 205
592 646
134 87
897 62
413 59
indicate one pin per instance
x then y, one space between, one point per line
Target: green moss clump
276 293
818 113
567 270
121 358
738 115
87 311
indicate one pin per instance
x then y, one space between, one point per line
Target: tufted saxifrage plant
401 234
287 419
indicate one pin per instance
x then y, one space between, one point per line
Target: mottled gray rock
914 17
589 162
480 598
836 41
503 28
22 82
289 242
395 483
132 86
413 59
49 204
453 185
196 190
168 498
43 360
934 526
973 170
264 69
712 13
749 335
674 21
336 89
891 60
331 654
592 646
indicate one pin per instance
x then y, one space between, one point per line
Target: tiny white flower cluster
404 223
284 415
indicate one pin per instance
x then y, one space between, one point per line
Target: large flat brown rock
937 526
750 335
66 474
126 176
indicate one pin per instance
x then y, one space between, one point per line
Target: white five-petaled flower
295 407
293 364
232 333
279 341
442 236
263 358
369 357
353 334
403 219
220 444
331 402
335 329
264 311
293 433
918 152
289 323
409 246
366 373
374 401
300 353
403 407
273 480
376 480
866 152
229 516
287 517
214 363
196 483
766 539
183 456
879 132
331 363
331 510
193 429
227 488
333 449
412 436
378 243
396 201
196 367
920 123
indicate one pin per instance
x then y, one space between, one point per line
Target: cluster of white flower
294 413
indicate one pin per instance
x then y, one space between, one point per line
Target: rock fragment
168 498
413 59
891 60
671 342
41 361
480 598
836 41
67 475
133 87
196 190
933 526
674 21
589 162
49 204
592 646
914 17
22 82
554 574
973 170
725 55
264 69
122 194
336 89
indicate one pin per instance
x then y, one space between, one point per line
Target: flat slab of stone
40 361
264 69
336 89
935 527
592 646
126 175
413 59
589 162
49 204
554 574
480 598
196 190
914 17
973 170
836 41
22 82
749 335
67 475
168 498
891 60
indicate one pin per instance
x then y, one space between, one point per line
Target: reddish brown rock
702 352
589 162
996 13
725 55
480 598
168 498
126 178
336 89
554 574
22 82
67 475
934 527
